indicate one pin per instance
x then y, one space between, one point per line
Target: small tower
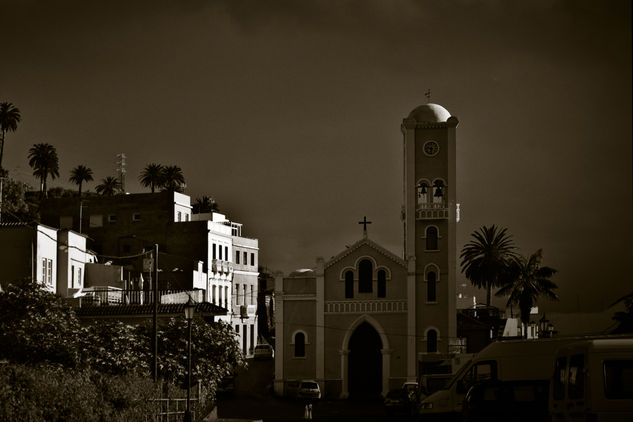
430 229
121 170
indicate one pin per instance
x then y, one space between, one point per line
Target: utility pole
121 170
155 313
81 214
1 180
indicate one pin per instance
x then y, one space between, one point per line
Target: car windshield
311 385
457 375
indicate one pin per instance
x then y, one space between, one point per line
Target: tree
527 280
36 326
9 119
205 204
79 175
43 393
486 257
215 352
109 186
624 318
173 179
116 348
43 159
152 176
14 207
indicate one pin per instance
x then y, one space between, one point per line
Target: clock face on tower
431 148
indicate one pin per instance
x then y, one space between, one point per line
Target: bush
114 347
57 370
53 393
36 326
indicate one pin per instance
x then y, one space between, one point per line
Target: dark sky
289 113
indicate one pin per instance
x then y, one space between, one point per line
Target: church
367 320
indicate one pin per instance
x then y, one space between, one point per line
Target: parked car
413 391
308 389
404 399
263 351
501 401
397 401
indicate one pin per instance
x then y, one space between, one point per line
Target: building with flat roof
195 251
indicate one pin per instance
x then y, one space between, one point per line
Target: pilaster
279 335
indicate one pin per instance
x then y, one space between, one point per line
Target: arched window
422 192
439 192
300 345
382 283
431 238
349 284
431 341
365 270
431 287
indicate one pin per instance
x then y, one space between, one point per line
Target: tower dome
430 113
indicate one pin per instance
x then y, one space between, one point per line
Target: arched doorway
365 362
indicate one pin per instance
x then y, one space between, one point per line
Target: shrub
53 393
36 326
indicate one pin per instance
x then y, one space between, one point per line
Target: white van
507 360
593 381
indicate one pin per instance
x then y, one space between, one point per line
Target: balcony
244 311
106 296
222 267
432 211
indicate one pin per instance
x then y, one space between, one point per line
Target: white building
72 257
54 258
232 277
203 251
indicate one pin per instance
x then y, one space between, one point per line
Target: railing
431 212
362 306
109 296
431 205
174 409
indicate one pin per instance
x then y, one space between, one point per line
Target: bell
423 188
438 191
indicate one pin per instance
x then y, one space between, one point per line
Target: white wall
46 249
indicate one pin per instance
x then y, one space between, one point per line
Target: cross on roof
427 94
364 223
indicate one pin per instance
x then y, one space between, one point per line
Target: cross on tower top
427 94
364 223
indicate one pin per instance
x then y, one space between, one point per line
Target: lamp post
190 308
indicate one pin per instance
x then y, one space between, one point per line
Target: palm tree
486 257
79 175
9 119
205 204
43 159
527 281
624 318
109 186
152 176
173 179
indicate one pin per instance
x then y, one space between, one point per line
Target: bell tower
429 218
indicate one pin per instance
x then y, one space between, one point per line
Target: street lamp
190 308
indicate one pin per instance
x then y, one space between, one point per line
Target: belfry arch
365 334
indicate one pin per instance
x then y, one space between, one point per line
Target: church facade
368 320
